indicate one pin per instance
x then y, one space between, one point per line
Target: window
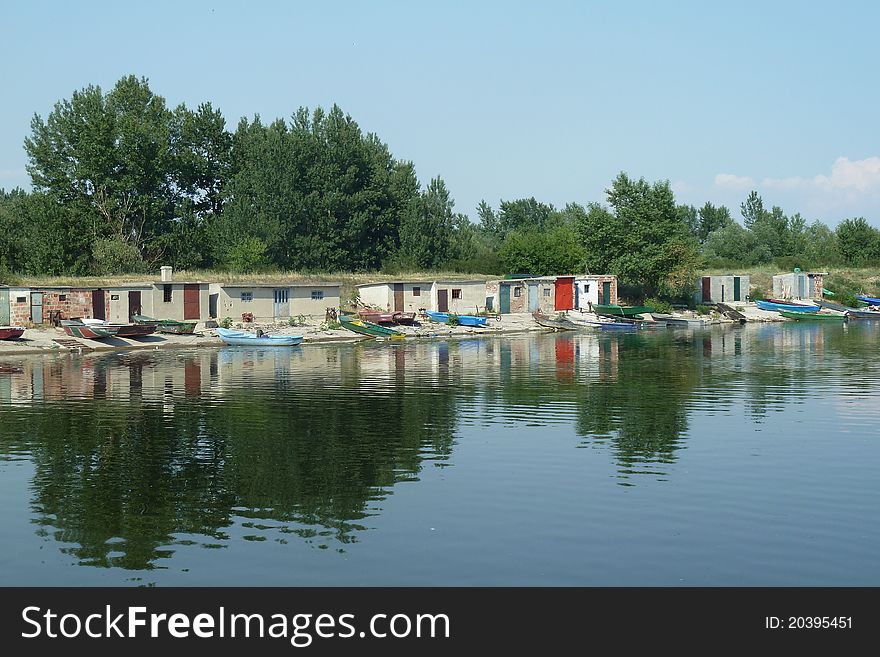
113 297
517 291
317 295
456 294
166 293
62 297
247 296
417 291
546 291
20 299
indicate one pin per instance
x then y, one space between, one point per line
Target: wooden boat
389 317
621 311
248 339
830 305
863 314
122 330
166 325
558 323
76 329
731 313
679 322
813 317
463 320
369 328
791 307
11 332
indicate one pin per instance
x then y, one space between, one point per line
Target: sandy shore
43 340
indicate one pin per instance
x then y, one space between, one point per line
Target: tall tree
427 228
111 154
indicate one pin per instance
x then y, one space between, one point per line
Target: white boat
248 339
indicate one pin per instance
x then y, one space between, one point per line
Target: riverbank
313 330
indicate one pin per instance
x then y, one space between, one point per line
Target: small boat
122 330
369 328
830 305
389 317
463 320
558 323
11 332
679 322
621 311
77 329
166 325
248 339
731 313
813 317
863 314
777 305
871 301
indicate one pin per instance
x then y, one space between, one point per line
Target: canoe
386 317
558 323
813 317
774 306
166 325
248 339
11 332
369 328
871 301
622 311
463 320
77 329
682 322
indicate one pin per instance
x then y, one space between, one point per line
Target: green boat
368 328
621 311
813 317
166 325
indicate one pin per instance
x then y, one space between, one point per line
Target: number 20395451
808 622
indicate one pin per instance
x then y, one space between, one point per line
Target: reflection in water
138 452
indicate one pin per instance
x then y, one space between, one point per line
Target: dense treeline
121 183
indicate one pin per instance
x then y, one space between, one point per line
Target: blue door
533 297
36 307
504 298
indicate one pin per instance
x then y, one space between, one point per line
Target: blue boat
791 307
871 301
247 339
463 320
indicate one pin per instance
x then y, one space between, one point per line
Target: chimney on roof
166 274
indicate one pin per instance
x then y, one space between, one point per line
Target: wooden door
99 310
606 293
533 297
36 307
504 298
282 304
565 293
191 305
442 301
4 308
707 289
134 304
398 297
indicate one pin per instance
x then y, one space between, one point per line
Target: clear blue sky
505 100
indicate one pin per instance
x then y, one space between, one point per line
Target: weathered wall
473 296
301 302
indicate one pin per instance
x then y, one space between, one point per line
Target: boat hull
553 323
863 314
871 301
775 306
812 317
677 322
463 320
245 339
80 330
166 325
11 332
368 328
621 311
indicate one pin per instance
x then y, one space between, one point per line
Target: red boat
11 332
386 317
122 330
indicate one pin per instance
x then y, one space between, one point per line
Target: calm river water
737 456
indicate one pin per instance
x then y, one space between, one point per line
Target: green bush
226 322
659 305
453 319
757 293
299 320
113 256
703 310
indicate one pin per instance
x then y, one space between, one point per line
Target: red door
98 309
398 297
707 288
442 301
565 293
191 309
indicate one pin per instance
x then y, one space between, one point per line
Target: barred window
166 293
317 295
247 296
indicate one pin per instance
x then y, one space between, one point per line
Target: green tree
643 238
110 154
710 219
427 228
859 242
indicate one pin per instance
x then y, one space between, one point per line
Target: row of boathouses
268 300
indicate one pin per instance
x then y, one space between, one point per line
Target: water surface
736 456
